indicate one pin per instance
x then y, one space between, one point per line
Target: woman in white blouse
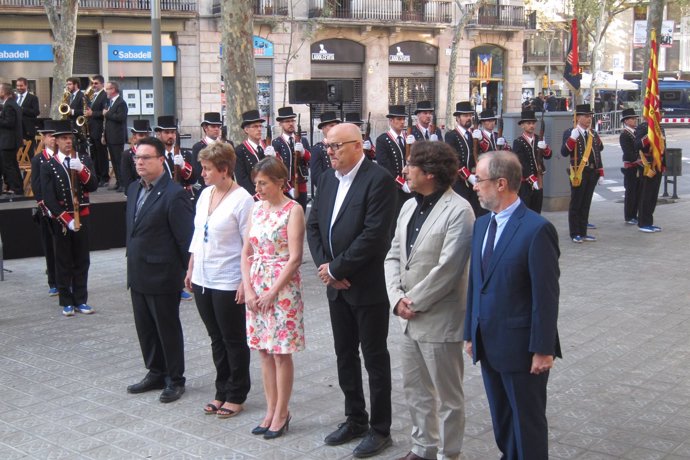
214 274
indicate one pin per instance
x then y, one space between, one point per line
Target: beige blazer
434 276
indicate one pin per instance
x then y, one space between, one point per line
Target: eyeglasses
143 157
479 180
335 146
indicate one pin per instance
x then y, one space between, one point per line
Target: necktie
71 98
489 247
401 144
260 152
426 134
292 144
469 137
21 99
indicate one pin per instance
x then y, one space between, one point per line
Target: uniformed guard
583 146
166 131
251 151
461 140
425 116
140 130
631 166
211 125
390 150
43 216
367 145
531 151
320 161
650 178
489 140
71 241
289 144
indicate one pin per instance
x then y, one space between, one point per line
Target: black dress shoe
372 444
346 432
171 393
260 429
148 383
278 433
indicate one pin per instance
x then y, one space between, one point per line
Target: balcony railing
543 56
261 7
501 16
137 5
429 11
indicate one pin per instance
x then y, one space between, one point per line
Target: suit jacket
570 146
361 233
158 240
515 303
11 133
434 276
116 123
417 133
284 152
463 147
527 153
388 154
627 142
319 163
77 105
96 120
30 111
247 158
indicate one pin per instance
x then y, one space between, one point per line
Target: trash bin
674 163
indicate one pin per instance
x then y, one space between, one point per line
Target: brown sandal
211 409
225 412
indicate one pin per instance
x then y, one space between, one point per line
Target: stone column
188 80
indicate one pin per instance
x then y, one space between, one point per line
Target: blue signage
139 53
262 48
25 53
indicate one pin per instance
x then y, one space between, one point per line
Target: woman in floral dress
271 258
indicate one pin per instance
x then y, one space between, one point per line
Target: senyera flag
572 65
651 111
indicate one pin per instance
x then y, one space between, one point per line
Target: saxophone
63 108
82 120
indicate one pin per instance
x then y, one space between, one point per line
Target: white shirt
208 140
343 187
217 260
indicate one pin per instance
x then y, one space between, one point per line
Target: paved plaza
621 391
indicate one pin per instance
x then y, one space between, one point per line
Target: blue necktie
489 247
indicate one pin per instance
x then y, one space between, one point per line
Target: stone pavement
621 391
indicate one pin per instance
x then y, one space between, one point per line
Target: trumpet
63 108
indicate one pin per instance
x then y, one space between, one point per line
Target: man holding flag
650 142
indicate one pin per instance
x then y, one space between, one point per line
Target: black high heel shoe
276 434
260 429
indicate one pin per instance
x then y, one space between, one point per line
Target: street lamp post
550 35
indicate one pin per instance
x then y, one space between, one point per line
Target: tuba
63 108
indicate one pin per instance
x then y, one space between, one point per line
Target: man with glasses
349 230
512 307
160 219
426 276
94 113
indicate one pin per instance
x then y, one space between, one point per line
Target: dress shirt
217 258
424 206
208 140
502 219
343 187
20 99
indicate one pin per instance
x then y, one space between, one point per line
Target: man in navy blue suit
512 308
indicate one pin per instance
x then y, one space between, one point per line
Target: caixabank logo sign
141 53
19 53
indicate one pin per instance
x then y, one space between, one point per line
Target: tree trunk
597 52
458 31
655 15
63 25
239 76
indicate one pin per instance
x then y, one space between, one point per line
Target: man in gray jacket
426 277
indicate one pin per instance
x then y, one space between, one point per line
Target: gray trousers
432 379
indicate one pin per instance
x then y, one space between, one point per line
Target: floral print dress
282 330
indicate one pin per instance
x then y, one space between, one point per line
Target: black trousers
533 199
157 320
9 169
115 151
649 192
365 325
99 156
45 225
465 190
631 182
225 322
72 263
580 202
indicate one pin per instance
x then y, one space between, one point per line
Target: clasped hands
260 304
330 281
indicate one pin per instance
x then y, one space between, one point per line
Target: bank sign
141 53
26 53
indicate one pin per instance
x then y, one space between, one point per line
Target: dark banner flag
572 65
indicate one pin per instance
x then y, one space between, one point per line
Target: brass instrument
82 120
63 108
103 139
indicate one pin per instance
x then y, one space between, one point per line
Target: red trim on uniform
186 171
570 143
601 172
464 172
65 218
547 152
84 175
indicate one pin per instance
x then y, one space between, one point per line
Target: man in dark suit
30 111
115 115
512 308
11 138
349 233
75 101
251 151
99 152
159 229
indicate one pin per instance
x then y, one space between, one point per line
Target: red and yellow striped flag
484 62
651 107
